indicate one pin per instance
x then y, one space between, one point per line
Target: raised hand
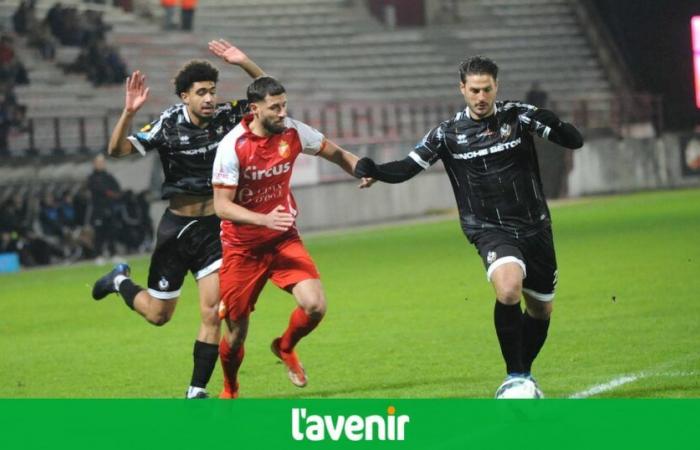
279 220
226 51
136 92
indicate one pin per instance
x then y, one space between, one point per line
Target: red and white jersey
260 168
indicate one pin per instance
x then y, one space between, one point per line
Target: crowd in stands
71 221
12 73
70 26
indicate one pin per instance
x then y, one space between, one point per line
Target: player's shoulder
231 107
233 136
173 112
514 105
452 122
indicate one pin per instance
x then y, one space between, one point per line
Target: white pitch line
626 379
609 386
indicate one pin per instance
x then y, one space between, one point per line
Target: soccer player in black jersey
186 137
489 155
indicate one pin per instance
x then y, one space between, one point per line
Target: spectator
536 95
106 194
21 17
12 71
168 14
187 8
12 115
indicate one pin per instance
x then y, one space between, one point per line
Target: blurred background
373 75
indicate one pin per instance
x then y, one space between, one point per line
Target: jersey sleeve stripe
414 156
224 186
137 145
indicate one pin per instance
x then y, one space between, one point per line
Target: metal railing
349 122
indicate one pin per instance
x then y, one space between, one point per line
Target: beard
273 127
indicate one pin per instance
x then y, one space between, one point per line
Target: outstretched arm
343 158
561 133
391 172
136 95
233 55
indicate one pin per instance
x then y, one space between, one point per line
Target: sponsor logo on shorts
163 284
491 257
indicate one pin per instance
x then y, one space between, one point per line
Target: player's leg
535 327
156 306
505 270
507 282
231 352
538 290
200 244
295 271
206 346
166 275
241 279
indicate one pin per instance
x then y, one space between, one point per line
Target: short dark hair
263 86
477 65
193 72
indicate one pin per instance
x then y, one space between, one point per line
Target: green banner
356 424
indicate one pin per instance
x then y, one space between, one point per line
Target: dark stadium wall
654 37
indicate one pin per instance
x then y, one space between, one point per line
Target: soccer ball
518 387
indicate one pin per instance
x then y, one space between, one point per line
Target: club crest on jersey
283 149
491 257
505 130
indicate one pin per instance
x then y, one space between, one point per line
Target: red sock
300 324
230 362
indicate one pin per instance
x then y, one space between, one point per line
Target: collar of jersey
263 148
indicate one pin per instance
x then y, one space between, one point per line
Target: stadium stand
330 54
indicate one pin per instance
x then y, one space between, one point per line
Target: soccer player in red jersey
252 196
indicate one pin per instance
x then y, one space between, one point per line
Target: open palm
136 92
226 51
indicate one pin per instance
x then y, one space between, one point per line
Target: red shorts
244 272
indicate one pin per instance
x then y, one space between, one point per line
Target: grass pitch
410 315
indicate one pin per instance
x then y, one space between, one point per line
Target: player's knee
159 319
210 317
540 310
315 307
509 294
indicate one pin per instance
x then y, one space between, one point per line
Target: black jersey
186 151
493 168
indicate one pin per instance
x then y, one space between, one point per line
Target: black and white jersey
186 151
493 168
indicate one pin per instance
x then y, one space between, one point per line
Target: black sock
534 335
205 356
128 291
509 329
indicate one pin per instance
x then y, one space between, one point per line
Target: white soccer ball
518 388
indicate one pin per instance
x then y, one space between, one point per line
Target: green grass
410 315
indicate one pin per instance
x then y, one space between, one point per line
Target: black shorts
534 253
183 243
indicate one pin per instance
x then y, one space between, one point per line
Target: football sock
300 324
205 356
128 291
509 329
230 363
534 335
